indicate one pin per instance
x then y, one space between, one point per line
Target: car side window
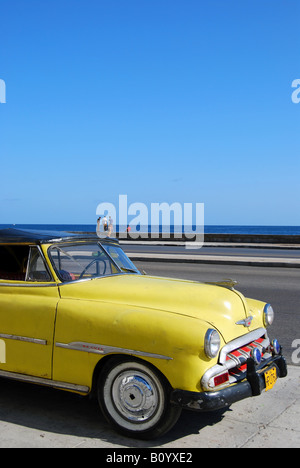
13 262
36 268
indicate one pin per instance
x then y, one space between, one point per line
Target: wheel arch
122 357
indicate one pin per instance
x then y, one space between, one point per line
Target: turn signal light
221 379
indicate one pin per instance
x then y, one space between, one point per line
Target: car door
28 303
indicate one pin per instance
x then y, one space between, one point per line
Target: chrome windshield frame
88 242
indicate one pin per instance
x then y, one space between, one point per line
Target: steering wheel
96 260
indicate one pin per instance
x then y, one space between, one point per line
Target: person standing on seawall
110 226
105 224
98 226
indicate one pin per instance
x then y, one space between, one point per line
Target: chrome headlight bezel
268 315
212 343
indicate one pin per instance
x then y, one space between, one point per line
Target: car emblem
246 322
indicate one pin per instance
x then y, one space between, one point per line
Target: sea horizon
208 229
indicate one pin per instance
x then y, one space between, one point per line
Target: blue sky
165 101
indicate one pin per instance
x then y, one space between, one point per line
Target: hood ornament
246 322
226 283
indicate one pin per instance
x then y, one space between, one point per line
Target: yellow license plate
270 378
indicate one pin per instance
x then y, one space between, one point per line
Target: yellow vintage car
77 315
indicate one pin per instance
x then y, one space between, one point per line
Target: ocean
209 229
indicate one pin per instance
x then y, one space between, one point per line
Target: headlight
212 343
268 315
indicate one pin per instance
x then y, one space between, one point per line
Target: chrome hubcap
135 396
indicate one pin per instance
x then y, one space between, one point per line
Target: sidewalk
216 259
213 244
189 256
270 420
38 417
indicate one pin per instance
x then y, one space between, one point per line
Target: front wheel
134 398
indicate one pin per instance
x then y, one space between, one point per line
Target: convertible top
13 235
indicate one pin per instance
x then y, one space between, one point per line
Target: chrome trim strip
41 381
23 338
103 349
28 285
234 359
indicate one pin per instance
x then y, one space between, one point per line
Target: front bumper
252 386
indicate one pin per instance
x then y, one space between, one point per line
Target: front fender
86 331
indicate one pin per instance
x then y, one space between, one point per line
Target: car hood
220 307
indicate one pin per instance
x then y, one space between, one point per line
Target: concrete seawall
213 238
252 238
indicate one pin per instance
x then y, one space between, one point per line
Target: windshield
84 261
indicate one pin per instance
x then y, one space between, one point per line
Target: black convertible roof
13 235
